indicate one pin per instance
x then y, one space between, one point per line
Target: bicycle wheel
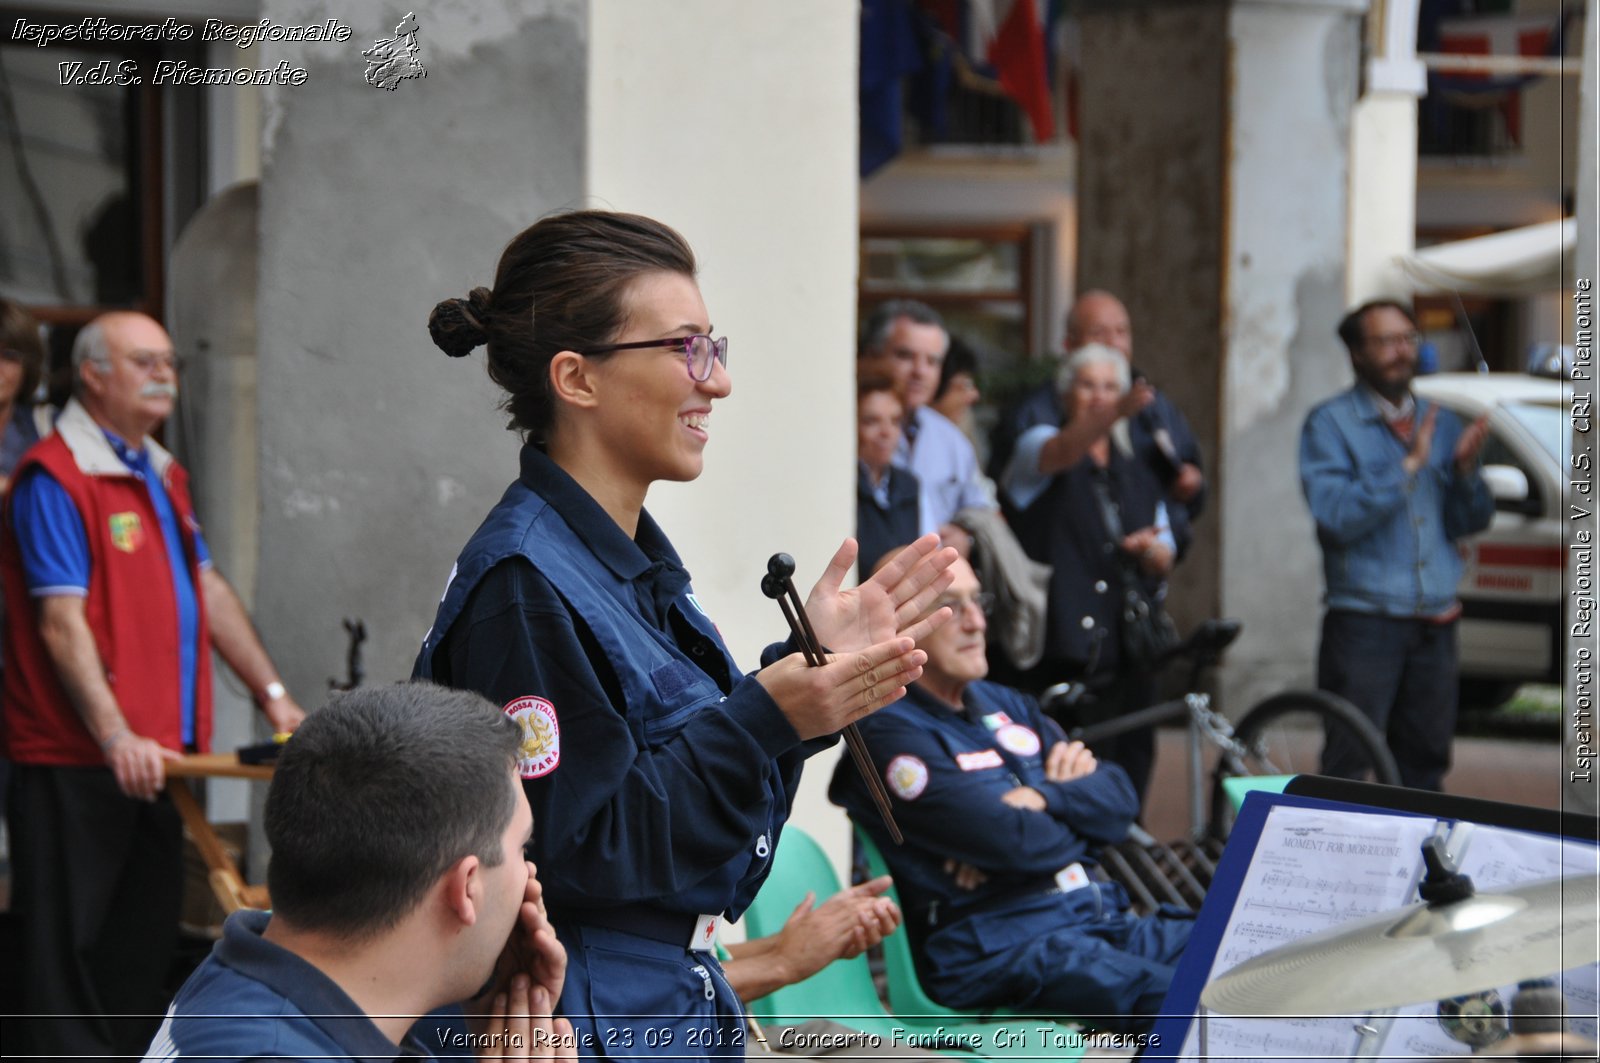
1284 735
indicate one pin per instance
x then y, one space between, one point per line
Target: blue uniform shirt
55 552
946 771
252 999
663 773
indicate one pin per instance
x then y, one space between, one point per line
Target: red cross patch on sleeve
541 735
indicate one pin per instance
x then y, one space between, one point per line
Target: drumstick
794 626
776 584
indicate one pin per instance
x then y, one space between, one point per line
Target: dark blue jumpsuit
1018 940
659 775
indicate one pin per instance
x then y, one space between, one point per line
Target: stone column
379 455
1213 178
1152 183
1383 156
1295 83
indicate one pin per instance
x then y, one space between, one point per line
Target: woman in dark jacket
886 497
1090 509
660 775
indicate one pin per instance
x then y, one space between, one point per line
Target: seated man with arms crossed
397 822
1001 816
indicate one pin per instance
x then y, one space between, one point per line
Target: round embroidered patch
1023 741
907 777
541 736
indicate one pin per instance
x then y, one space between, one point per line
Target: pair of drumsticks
778 585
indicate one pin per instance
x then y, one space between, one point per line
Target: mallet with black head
778 585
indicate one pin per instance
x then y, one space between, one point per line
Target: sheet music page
1497 859
1313 869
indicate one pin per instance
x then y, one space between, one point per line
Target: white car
1511 591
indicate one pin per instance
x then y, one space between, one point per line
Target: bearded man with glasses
113 607
1393 484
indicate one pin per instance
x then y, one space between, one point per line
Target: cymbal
1419 954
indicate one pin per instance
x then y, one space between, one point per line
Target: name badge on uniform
985 758
705 933
1072 877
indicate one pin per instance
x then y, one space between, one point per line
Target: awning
1526 261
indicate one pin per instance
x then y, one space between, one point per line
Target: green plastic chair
909 1000
1238 787
844 991
906 995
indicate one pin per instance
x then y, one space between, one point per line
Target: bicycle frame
1206 726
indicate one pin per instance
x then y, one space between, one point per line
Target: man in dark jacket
1159 432
1002 818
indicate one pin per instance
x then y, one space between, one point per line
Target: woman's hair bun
459 325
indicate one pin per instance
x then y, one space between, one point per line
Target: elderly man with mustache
112 609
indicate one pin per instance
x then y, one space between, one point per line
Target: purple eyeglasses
699 352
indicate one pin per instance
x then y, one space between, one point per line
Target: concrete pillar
1152 182
1383 157
751 155
211 312
378 454
1214 199
1294 74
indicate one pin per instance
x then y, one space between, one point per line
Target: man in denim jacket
1392 483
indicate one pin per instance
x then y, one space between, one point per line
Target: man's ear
461 888
91 377
573 381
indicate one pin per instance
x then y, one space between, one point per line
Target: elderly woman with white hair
1089 508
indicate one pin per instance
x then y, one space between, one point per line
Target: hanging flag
1063 57
1018 56
1495 36
890 49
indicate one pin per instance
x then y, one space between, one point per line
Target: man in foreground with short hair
397 822
1393 484
1001 816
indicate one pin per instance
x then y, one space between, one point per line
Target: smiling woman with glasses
659 774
